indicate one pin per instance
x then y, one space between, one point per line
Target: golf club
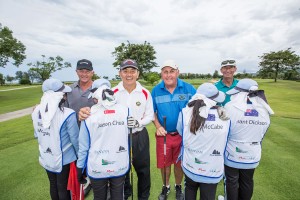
131 170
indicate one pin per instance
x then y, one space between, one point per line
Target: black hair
197 122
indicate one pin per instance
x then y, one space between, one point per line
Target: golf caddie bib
49 139
203 152
246 134
108 155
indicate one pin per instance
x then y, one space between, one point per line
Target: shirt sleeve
149 113
73 131
83 145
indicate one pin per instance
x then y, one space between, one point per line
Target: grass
276 178
13 100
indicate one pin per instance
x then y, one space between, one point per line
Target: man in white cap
227 82
170 96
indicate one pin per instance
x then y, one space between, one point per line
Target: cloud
197 34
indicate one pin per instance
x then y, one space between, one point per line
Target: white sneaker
220 197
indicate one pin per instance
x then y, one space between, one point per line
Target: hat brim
128 66
229 65
66 89
232 91
220 98
169 66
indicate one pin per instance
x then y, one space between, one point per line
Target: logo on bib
107 162
211 117
199 161
121 149
109 112
215 153
240 150
138 103
251 112
48 150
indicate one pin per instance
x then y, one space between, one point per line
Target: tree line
283 64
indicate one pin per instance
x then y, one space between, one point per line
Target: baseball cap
170 63
99 83
211 91
55 85
128 63
244 85
84 64
228 62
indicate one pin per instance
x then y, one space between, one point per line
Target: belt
173 133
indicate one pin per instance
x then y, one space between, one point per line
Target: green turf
13 100
276 178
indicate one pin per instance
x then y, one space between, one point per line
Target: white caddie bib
108 155
49 139
203 153
246 134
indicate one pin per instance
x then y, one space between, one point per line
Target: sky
197 34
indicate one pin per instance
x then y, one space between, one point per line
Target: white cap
55 85
170 63
244 85
211 91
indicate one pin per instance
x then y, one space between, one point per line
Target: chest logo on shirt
181 97
138 103
251 112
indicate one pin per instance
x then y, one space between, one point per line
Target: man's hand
132 123
84 113
161 131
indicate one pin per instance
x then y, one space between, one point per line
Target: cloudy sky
197 34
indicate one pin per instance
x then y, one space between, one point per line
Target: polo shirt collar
137 88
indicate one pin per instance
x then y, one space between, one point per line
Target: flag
73 184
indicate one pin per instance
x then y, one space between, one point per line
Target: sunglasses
225 62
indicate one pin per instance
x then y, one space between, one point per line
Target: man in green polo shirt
227 82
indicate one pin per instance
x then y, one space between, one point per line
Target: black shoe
179 194
164 193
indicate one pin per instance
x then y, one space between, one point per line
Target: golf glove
81 179
222 113
132 123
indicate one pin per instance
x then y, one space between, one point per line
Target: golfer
103 144
56 129
204 136
249 113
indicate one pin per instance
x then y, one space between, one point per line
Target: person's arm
160 130
148 116
73 131
84 113
83 146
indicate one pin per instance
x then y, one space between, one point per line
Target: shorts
173 149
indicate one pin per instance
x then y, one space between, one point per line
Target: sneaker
164 193
179 194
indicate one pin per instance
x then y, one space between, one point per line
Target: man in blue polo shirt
169 97
227 82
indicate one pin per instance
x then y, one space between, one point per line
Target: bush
25 82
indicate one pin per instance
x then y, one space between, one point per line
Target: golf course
276 178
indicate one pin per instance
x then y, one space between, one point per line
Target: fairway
276 178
